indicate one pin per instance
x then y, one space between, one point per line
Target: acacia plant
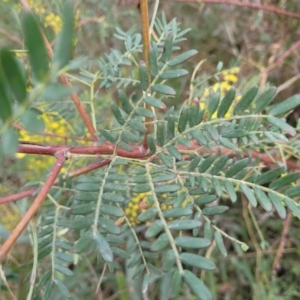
163 175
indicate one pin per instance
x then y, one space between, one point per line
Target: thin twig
75 173
8 244
283 240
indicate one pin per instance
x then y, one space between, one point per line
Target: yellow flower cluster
138 204
38 163
228 78
9 213
53 21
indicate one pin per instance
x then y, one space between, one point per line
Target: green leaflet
63 46
125 103
174 152
160 243
197 286
196 261
183 119
282 125
213 103
285 106
237 167
226 103
155 228
103 247
107 135
219 164
182 58
245 101
277 202
143 76
167 48
194 163
269 175
147 214
151 143
141 188
220 243
205 165
117 113
154 102
214 210
230 190
163 89
137 125
292 206
284 181
6 108
184 224
264 99
249 194
191 242
177 212
36 48
153 60
15 78
170 74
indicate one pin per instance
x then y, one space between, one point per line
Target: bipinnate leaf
197 286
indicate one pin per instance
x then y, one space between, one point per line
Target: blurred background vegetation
251 44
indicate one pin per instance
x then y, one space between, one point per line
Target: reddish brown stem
7 245
73 174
